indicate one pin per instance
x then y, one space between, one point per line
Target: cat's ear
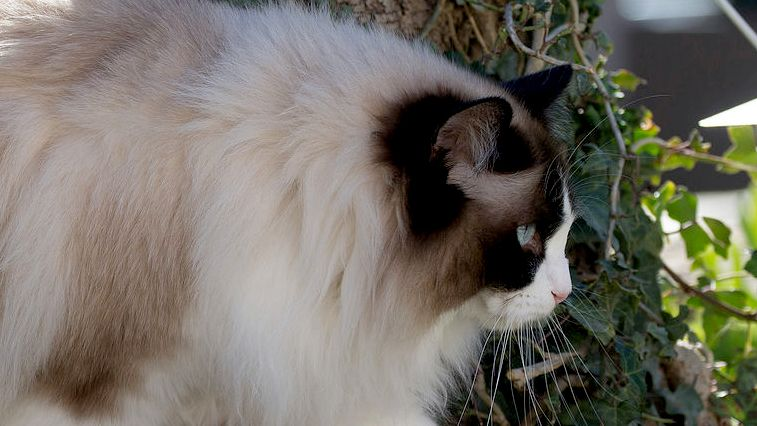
433 202
469 134
539 91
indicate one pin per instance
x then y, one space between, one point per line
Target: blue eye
525 233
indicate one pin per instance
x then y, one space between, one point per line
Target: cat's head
485 206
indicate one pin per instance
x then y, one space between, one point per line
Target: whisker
496 385
575 399
512 391
585 368
478 365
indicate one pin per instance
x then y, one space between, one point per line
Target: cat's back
95 197
123 124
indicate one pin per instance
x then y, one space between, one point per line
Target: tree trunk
469 30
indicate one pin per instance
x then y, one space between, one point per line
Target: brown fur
131 274
128 254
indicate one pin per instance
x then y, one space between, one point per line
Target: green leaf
672 161
746 374
594 320
657 202
721 234
684 401
696 240
742 148
647 127
677 326
751 264
626 80
659 333
697 143
683 207
735 298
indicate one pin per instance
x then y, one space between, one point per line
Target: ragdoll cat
212 215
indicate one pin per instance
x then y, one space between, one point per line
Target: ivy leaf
735 298
742 148
672 161
696 240
629 362
746 374
751 264
697 143
658 332
677 326
647 127
603 41
593 320
627 80
685 401
721 240
657 202
683 207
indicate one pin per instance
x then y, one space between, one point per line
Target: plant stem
434 17
476 31
709 298
520 376
498 416
701 156
455 40
621 143
656 419
518 43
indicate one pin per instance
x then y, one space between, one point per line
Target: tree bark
470 30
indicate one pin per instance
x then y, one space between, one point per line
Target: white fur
529 305
289 219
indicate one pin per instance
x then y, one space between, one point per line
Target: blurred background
694 57
696 64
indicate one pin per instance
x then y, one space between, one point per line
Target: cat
264 216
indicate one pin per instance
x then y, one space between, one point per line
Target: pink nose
560 296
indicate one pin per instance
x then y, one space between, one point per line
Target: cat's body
205 217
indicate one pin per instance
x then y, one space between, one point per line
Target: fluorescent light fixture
654 10
742 115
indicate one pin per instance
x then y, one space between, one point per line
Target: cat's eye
525 233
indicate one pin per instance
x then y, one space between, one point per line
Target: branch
476 31
562 383
651 314
556 33
518 43
432 20
453 37
538 39
701 156
709 298
519 376
487 6
498 416
621 143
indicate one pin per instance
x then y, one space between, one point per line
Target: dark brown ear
425 137
539 91
471 135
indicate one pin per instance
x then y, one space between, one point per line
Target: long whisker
585 368
496 384
478 365
561 349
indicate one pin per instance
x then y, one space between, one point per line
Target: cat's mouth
503 310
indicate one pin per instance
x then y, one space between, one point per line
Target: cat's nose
560 295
